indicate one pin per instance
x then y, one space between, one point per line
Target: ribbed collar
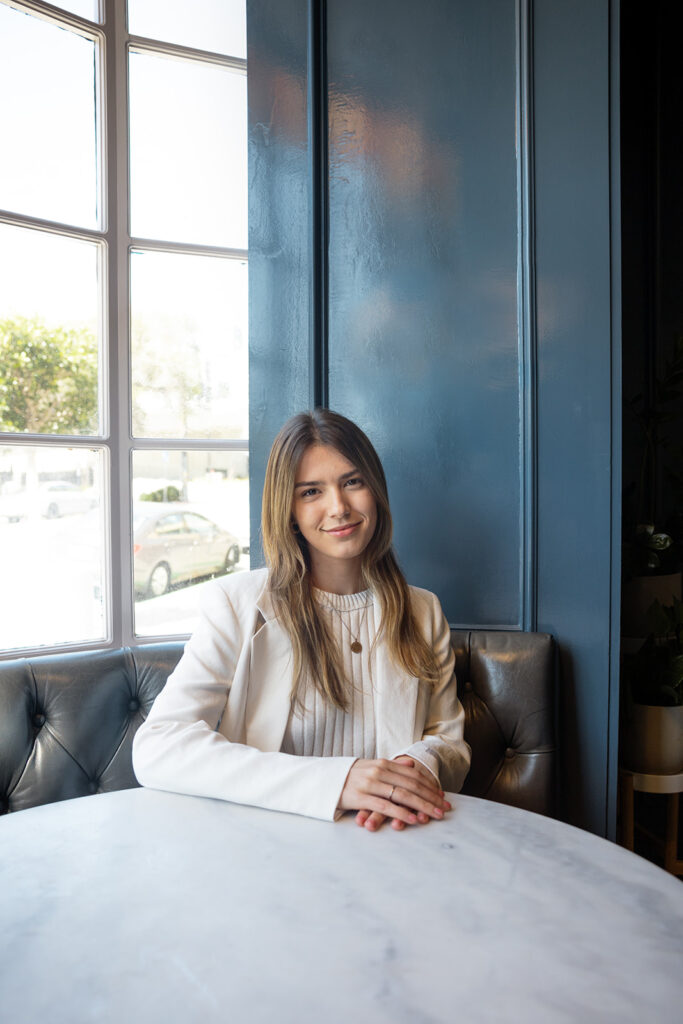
343 602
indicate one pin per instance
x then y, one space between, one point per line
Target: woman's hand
402 790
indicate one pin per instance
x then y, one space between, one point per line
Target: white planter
652 739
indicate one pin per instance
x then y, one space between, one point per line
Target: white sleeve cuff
423 753
338 811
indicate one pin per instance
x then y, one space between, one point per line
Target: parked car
61 498
172 543
53 499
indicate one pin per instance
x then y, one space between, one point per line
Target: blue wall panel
279 259
577 468
423 316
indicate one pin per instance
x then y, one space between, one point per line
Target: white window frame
116 244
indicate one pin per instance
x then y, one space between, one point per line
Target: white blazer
216 728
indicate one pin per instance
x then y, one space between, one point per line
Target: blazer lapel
396 706
270 683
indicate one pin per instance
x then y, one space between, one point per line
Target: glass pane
48 121
218 25
190 523
83 8
52 547
49 333
189 346
188 151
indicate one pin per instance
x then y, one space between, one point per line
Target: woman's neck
337 576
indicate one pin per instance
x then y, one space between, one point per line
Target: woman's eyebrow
317 483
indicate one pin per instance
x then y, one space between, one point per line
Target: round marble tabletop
140 906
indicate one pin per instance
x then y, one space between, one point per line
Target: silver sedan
173 543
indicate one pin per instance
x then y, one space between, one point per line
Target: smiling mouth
342 531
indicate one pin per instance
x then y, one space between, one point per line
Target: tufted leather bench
506 682
67 721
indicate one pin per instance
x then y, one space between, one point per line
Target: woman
322 683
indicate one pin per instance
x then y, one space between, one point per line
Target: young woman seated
323 683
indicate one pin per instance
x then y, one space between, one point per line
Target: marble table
141 906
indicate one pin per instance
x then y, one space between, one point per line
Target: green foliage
170 493
654 674
48 378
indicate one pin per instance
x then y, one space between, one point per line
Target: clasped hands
402 789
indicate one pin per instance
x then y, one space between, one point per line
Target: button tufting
93 786
134 704
510 753
39 720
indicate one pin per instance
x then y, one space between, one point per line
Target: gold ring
391 795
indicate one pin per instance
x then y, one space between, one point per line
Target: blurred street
53 585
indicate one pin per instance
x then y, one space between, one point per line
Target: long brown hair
315 652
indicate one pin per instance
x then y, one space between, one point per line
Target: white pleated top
321 730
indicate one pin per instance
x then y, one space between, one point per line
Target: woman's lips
342 531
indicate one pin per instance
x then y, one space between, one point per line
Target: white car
61 498
173 544
56 498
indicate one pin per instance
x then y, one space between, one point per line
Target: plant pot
639 593
652 739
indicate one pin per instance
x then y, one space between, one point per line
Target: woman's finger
388 809
375 821
391 789
417 777
412 791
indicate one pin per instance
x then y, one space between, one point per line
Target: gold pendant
356 647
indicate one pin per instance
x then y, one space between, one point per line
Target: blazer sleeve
179 749
442 748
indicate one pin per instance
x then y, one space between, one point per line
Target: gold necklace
356 645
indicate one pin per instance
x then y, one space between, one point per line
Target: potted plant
652 711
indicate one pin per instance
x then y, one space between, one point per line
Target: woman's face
334 509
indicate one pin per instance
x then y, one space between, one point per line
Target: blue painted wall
423 311
434 258
578 394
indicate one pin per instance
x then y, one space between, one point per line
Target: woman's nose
337 504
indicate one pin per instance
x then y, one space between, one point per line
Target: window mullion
189 248
116 177
53 227
56 14
178 52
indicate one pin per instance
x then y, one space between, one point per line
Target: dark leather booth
506 682
67 721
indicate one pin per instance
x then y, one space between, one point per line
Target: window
123 316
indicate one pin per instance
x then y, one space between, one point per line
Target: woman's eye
309 492
355 481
